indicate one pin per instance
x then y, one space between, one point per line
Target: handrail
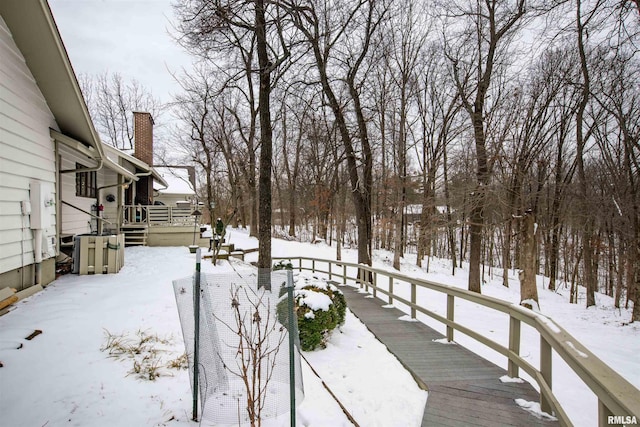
151 215
617 397
86 212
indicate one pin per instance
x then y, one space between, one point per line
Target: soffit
36 35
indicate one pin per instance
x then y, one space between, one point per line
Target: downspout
37 249
56 149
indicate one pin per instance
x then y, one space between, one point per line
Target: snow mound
534 409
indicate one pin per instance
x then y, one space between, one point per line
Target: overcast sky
125 36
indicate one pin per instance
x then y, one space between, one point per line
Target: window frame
86 182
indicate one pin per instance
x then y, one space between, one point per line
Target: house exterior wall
26 154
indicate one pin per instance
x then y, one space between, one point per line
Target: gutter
80 148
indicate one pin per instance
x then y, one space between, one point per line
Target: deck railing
151 215
618 400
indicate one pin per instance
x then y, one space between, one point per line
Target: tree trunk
292 212
506 252
478 200
590 278
635 315
266 149
450 226
528 289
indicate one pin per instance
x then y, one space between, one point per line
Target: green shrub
315 326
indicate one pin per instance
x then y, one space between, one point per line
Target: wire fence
242 359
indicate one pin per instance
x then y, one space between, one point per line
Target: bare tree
438 109
112 101
220 23
294 115
582 22
474 58
339 36
195 109
617 92
406 32
260 337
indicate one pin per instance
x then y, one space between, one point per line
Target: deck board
464 388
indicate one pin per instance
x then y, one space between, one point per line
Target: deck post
330 264
603 414
545 371
313 265
413 300
344 274
450 316
390 290
514 346
375 284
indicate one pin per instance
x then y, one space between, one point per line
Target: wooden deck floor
464 389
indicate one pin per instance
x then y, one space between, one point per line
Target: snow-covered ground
62 377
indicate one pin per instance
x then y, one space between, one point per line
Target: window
86 182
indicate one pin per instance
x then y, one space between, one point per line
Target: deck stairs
135 234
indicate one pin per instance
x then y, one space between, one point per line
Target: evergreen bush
283 265
315 326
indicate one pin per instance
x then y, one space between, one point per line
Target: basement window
86 182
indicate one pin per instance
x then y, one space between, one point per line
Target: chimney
143 136
143 150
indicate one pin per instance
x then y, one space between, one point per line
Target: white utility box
43 204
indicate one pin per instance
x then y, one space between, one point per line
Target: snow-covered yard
62 377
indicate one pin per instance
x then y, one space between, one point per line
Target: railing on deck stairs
616 396
158 215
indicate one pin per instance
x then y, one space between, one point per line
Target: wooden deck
464 389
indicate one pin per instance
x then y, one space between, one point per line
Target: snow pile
534 409
313 300
508 379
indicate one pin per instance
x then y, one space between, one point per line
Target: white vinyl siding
26 152
74 221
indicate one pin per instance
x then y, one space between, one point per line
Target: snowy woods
498 133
